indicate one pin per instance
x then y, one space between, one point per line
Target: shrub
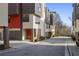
35 40
2 47
73 38
47 37
41 38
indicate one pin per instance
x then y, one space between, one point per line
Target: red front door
28 33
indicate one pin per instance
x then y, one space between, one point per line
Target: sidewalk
69 47
74 50
61 37
15 45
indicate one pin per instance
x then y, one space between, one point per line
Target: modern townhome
24 20
42 20
75 17
47 22
52 23
55 23
31 23
15 21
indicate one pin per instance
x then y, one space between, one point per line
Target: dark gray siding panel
15 35
13 8
28 7
0 36
51 19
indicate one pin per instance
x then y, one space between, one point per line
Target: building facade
75 22
4 18
24 20
31 28
42 20
55 23
14 21
47 22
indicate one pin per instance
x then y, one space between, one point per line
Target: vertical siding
15 35
13 8
28 8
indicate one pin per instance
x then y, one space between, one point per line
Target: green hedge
41 38
73 38
2 47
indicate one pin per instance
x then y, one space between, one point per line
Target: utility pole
6 37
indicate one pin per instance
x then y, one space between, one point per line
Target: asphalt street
49 47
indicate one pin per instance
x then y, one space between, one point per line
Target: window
49 26
78 5
51 19
78 36
26 18
8 19
39 7
37 20
34 32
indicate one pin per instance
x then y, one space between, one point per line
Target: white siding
3 14
32 22
77 25
28 24
47 29
42 21
36 19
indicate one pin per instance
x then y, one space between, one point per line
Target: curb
69 51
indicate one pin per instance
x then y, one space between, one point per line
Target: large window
78 36
51 19
26 18
37 20
78 5
34 32
39 7
8 19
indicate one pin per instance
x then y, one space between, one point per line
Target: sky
64 10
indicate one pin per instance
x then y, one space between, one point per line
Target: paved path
49 47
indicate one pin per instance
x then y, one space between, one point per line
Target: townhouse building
24 20
55 23
42 20
15 21
31 28
52 22
75 22
47 22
